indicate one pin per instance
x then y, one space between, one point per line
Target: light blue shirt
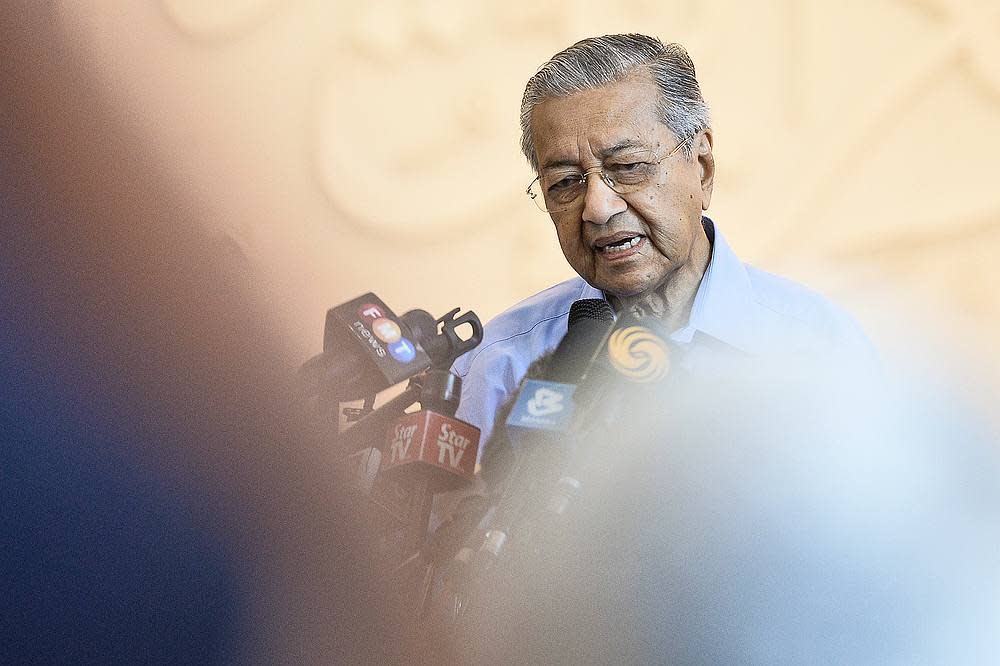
737 309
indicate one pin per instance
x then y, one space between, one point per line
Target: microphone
631 357
635 353
635 358
544 398
424 453
590 365
366 349
589 322
542 409
430 450
611 364
547 402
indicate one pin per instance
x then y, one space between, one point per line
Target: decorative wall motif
856 142
430 92
217 20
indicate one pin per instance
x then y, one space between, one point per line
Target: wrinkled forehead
589 126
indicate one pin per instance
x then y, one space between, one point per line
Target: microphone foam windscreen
590 308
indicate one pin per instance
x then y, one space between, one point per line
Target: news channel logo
388 331
542 404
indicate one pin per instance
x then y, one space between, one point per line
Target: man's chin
622 286
623 297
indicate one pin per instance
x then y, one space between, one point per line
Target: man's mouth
617 243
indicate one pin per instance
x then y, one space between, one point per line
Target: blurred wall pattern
856 143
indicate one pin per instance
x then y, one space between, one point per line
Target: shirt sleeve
488 380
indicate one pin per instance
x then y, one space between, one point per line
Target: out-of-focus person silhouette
798 515
160 500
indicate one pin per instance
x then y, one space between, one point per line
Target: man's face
587 129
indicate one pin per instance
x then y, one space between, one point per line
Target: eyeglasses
624 173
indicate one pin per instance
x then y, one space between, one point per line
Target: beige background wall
856 144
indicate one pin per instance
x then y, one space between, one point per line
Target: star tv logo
402 438
545 402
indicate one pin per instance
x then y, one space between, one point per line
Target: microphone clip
439 337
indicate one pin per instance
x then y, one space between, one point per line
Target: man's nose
600 202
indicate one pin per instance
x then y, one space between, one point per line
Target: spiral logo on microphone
639 354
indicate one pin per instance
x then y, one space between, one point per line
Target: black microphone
589 322
546 402
366 348
540 404
631 358
611 364
634 361
541 412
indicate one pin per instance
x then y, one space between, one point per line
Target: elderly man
619 136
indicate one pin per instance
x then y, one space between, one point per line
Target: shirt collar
724 305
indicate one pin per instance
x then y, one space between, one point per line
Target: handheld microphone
597 356
430 450
424 453
635 353
435 444
634 359
542 410
546 402
632 356
366 348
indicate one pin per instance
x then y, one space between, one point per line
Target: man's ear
706 164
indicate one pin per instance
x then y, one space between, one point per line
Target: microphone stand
439 392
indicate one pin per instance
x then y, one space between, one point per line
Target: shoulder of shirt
803 308
530 316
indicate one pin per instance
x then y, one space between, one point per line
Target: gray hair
599 61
